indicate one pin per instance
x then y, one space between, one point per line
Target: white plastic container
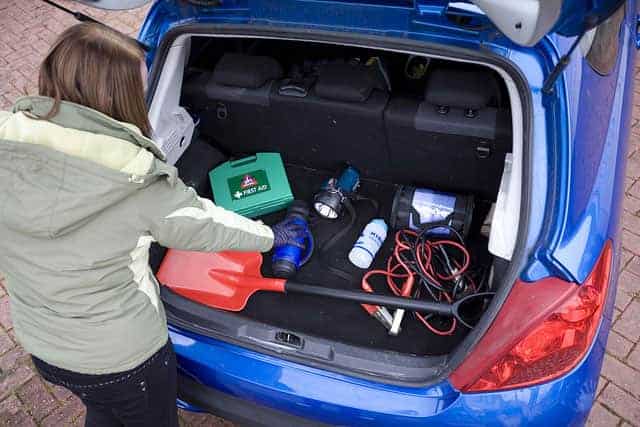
504 224
368 244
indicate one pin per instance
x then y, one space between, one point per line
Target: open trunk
407 119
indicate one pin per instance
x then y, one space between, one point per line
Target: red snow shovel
226 280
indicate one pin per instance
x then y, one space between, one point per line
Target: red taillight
543 330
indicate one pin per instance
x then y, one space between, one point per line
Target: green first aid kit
252 186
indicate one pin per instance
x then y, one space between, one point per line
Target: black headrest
342 81
458 88
247 71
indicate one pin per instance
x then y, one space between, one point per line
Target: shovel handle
375 299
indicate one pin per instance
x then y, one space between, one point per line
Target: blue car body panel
597 135
341 400
577 156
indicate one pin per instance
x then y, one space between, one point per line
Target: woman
83 194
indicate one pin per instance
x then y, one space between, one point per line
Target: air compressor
415 208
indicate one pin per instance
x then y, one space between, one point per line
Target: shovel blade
224 280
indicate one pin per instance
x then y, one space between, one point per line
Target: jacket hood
58 174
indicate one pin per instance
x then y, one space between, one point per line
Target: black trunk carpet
342 320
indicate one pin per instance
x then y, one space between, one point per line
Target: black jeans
143 396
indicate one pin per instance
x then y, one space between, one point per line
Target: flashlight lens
325 210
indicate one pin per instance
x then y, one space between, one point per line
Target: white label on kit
431 206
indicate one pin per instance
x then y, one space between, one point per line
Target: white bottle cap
380 227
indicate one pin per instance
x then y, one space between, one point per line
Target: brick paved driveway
27 27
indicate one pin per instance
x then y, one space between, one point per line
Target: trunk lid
525 22
115 4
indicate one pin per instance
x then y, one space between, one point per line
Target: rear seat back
340 120
451 140
233 102
321 122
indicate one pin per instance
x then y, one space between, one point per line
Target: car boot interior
399 119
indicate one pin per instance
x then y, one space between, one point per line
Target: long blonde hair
95 66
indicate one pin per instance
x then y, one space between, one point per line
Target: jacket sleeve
179 219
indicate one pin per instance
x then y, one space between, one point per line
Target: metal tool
226 280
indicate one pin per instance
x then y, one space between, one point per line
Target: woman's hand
288 232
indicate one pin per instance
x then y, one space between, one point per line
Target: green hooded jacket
82 197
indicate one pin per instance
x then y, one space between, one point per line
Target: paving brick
12 413
631 203
634 189
37 398
621 403
628 183
193 418
60 393
6 343
621 374
634 143
631 222
629 322
616 314
201 420
622 299
14 358
602 417
65 415
631 242
12 380
633 166
79 422
629 283
12 334
618 346
634 357
634 266
5 104
626 258
602 382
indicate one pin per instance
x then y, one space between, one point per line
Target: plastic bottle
368 243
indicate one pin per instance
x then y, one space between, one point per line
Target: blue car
522 106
